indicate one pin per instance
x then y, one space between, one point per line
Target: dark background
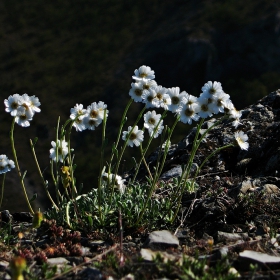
67 52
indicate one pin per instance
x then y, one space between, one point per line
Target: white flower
116 181
188 113
235 115
5 164
160 92
96 111
147 85
62 150
205 109
22 107
10 164
34 104
211 88
91 123
77 111
221 100
241 138
150 99
157 130
144 72
136 92
176 98
26 103
12 104
79 123
151 119
77 114
135 138
189 100
23 117
165 102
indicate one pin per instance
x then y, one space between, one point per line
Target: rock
271 189
3 265
128 277
23 217
6 216
229 237
94 244
161 239
264 261
150 255
90 273
57 261
172 173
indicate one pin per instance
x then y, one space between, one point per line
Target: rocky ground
234 213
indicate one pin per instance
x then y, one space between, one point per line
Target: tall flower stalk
21 177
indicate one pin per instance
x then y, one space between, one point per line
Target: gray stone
96 243
228 237
3 265
172 173
91 273
161 239
57 261
264 261
270 188
150 255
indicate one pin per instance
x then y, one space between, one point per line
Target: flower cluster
115 181
88 118
22 107
212 100
6 164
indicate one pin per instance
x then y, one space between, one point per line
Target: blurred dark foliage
68 52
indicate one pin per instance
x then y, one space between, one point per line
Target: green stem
145 163
101 166
166 148
2 190
57 192
119 133
17 165
70 160
147 147
157 173
45 184
56 181
123 149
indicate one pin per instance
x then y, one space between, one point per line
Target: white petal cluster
88 118
6 164
22 107
241 139
154 124
62 150
113 181
133 136
212 100
144 72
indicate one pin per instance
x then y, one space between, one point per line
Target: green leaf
33 197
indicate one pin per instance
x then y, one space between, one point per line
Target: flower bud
18 265
37 219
